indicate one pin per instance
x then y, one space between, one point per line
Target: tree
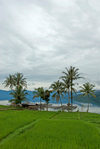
43 95
19 80
47 97
58 91
9 82
15 80
71 74
16 83
88 90
39 92
66 87
19 95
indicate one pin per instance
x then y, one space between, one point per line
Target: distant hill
94 101
4 95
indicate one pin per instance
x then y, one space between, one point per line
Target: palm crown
57 87
15 80
87 89
19 80
19 95
9 82
70 75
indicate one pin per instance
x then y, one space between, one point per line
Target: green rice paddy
26 129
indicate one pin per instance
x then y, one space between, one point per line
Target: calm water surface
81 107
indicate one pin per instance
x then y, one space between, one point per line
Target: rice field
26 129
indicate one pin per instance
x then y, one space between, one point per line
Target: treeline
64 86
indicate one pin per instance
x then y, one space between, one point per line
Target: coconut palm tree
39 92
9 82
66 87
19 80
15 80
19 95
47 97
16 83
71 74
58 91
88 90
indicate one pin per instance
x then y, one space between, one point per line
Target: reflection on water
82 107
92 108
4 102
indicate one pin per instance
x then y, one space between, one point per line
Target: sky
39 38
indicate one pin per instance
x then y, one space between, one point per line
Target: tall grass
12 120
52 130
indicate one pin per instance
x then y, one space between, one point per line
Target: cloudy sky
41 37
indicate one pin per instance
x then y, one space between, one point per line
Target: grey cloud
41 38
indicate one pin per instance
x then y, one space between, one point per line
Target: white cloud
41 38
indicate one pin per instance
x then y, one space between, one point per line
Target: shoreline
4 102
93 109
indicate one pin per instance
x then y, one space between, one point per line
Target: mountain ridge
4 95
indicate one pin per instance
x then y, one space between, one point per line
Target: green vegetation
9 107
39 93
65 86
45 130
19 95
42 94
87 90
47 97
69 76
15 80
58 90
4 106
16 83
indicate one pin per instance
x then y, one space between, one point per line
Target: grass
4 106
8 107
12 120
49 130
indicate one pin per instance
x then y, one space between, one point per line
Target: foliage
42 94
15 80
66 87
47 96
9 82
19 95
58 91
19 80
39 92
16 83
70 75
87 89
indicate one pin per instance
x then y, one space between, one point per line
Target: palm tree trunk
71 96
88 104
47 106
61 102
40 103
71 92
68 97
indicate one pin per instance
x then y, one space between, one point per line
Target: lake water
81 107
